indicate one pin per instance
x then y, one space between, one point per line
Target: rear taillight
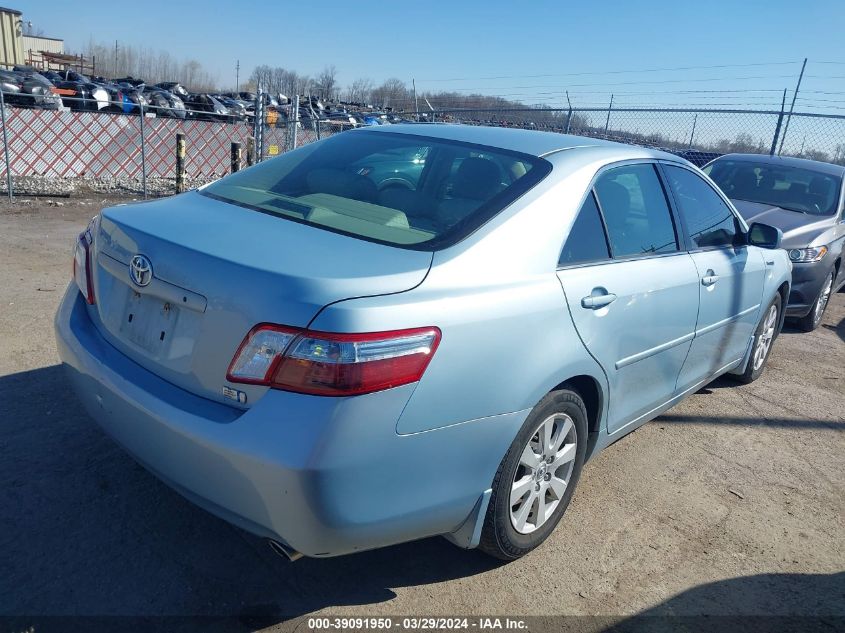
329 364
82 265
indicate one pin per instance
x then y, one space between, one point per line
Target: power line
722 95
632 83
616 72
665 92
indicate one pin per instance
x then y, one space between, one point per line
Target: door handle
598 298
709 278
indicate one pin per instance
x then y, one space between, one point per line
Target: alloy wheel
544 470
764 341
824 297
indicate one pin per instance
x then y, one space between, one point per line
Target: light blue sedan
339 357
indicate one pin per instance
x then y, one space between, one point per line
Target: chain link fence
693 131
97 146
57 151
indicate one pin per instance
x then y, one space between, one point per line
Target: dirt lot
730 504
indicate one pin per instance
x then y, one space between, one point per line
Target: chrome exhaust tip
283 550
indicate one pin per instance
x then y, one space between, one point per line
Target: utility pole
115 59
792 107
416 105
238 76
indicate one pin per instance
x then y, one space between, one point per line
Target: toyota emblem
141 270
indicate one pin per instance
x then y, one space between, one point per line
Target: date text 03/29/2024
418 623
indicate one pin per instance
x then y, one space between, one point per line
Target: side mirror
764 236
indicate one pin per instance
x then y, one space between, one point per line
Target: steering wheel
395 183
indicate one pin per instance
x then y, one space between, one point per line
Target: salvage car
134 94
806 200
28 88
80 94
164 103
174 87
337 365
204 107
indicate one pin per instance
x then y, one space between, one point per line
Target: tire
764 338
500 536
814 317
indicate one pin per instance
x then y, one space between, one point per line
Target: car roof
788 161
532 142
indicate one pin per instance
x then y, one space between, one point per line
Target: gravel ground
81 186
732 503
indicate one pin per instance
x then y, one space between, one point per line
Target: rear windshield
793 188
400 189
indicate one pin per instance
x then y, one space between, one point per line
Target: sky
713 53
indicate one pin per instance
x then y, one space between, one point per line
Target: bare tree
359 90
392 93
119 60
326 82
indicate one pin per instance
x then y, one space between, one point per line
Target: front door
731 276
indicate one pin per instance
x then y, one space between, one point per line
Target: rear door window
635 211
709 221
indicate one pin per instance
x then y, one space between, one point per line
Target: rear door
631 290
731 275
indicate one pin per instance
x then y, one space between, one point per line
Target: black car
164 103
204 107
135 95
175 87
246 96
698 158
81 94
129 80
236 107
27 88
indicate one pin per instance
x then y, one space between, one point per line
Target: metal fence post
792 107
258 124
236 157
180 162
143 153
317 125
777 126
609 108
6 143
250 151
295 120
692 134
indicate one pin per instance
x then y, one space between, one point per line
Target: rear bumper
327 476
807 282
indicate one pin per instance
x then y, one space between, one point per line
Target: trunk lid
218 270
